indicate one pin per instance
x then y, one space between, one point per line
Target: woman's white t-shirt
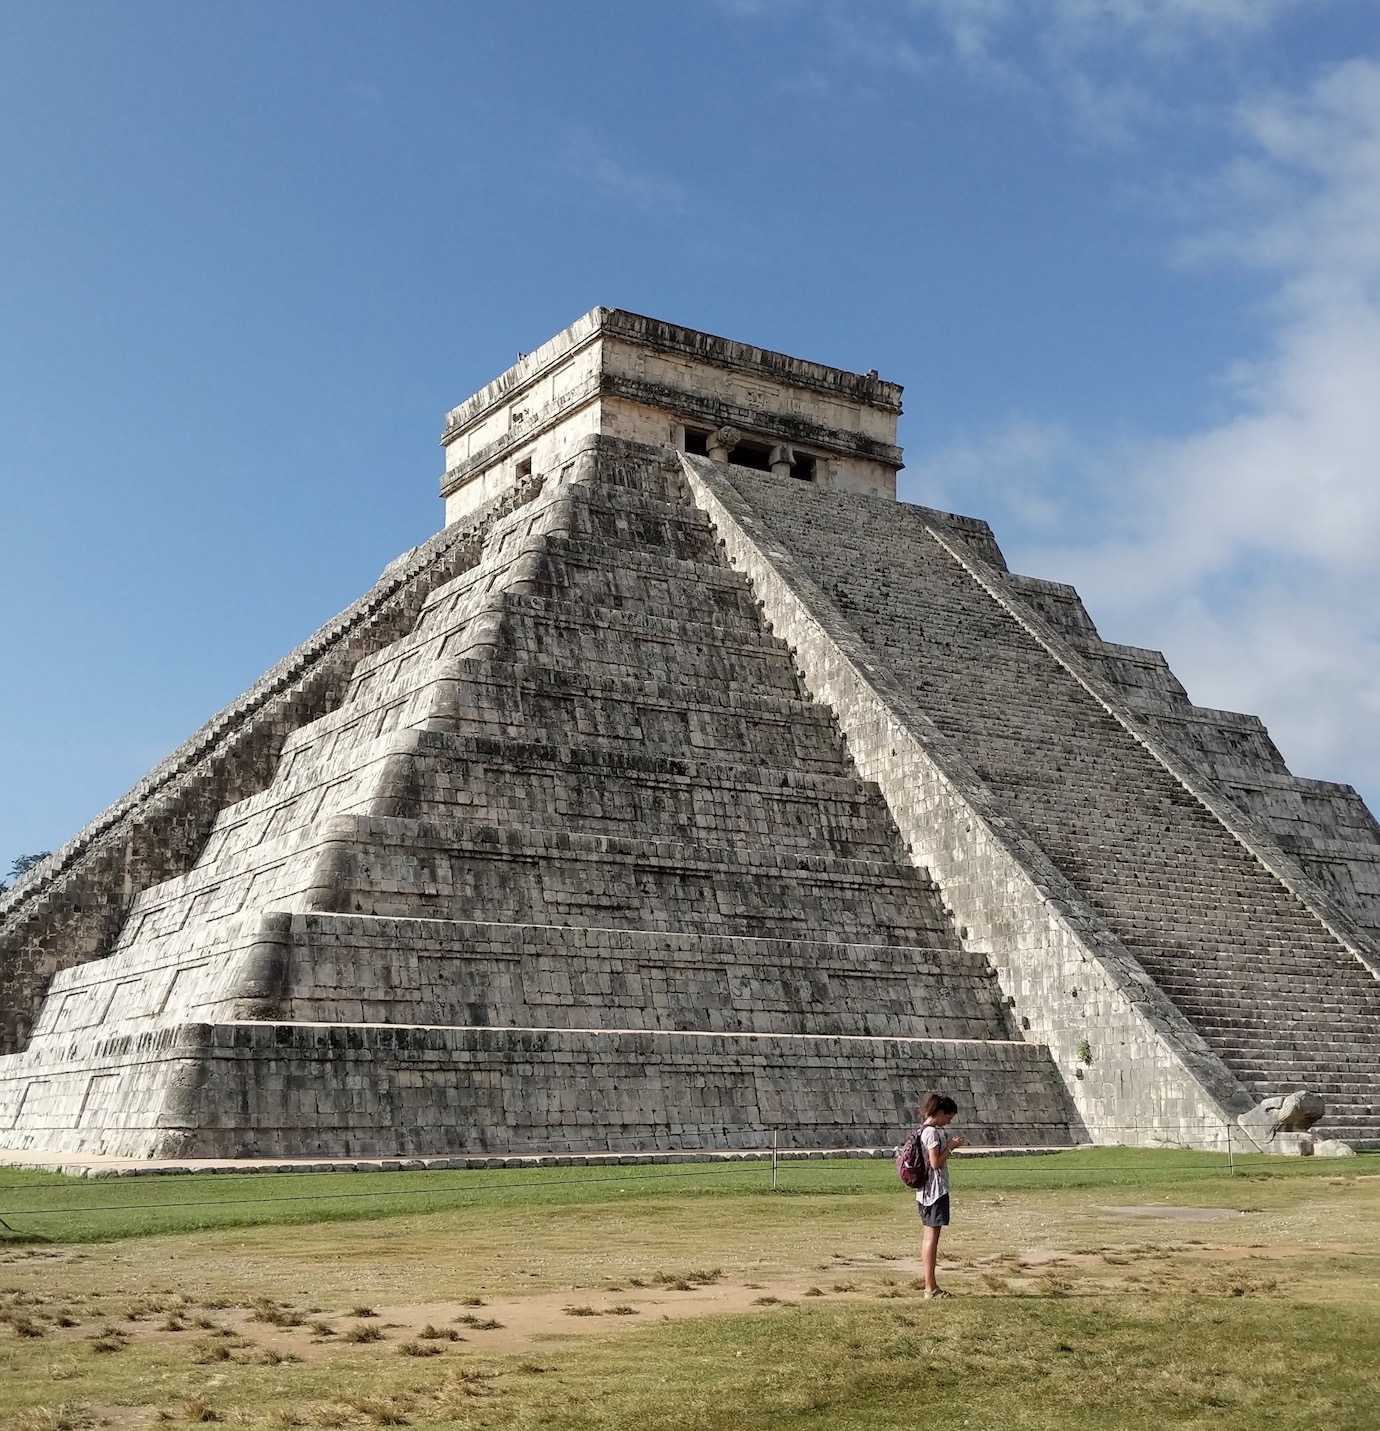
936 1184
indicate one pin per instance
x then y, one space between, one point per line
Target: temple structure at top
625 375
686 788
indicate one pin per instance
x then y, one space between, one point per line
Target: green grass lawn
40 1206
1105 1289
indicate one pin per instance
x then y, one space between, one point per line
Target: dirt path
279 1329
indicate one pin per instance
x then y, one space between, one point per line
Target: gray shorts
935 1214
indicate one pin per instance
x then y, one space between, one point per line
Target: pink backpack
910 1161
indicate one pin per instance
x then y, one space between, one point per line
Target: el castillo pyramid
687 786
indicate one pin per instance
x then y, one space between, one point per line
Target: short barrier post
775 1163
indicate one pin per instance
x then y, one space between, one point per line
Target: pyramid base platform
262 1090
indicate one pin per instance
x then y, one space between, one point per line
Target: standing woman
932 1196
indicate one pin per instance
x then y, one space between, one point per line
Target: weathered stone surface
1332 1148
572 866
1281 1124
637 378
72 905
667 799
1133 912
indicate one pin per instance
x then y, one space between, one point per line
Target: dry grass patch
1113 1355
479 1324
67 1416
367 1333
432 1333
689 1281
377 1410
276 1314
109 1339
419 1349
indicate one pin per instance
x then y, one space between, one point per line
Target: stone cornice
754 362
538 422
529 369
714 412
641 331
753 421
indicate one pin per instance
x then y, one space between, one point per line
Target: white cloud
589 158
1096 60
1017 469
976 26
758 9
1248 550
855 38
1088 59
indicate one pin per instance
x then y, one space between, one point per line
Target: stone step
629 499
624 519
519 558
502 781
841 797
661 481
358 969
1193 929
398 692
1351 1075
420 773
274 1089
571 703
621 644
645 582
1329 1027
1222 1004
272 873
443 868
1218 993
1323 1065
1186 898
449 869
1213 975
399 700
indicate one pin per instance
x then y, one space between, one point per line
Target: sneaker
938 1292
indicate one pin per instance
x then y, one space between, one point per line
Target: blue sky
1123 254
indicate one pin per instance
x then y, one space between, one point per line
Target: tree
21 865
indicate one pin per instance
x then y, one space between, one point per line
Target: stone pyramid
685 787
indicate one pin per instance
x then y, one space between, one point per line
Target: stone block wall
71 907
1161 1082
298 1090
1118 894
574 865
1323 826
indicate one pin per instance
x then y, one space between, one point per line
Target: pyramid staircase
1257 968
575 866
